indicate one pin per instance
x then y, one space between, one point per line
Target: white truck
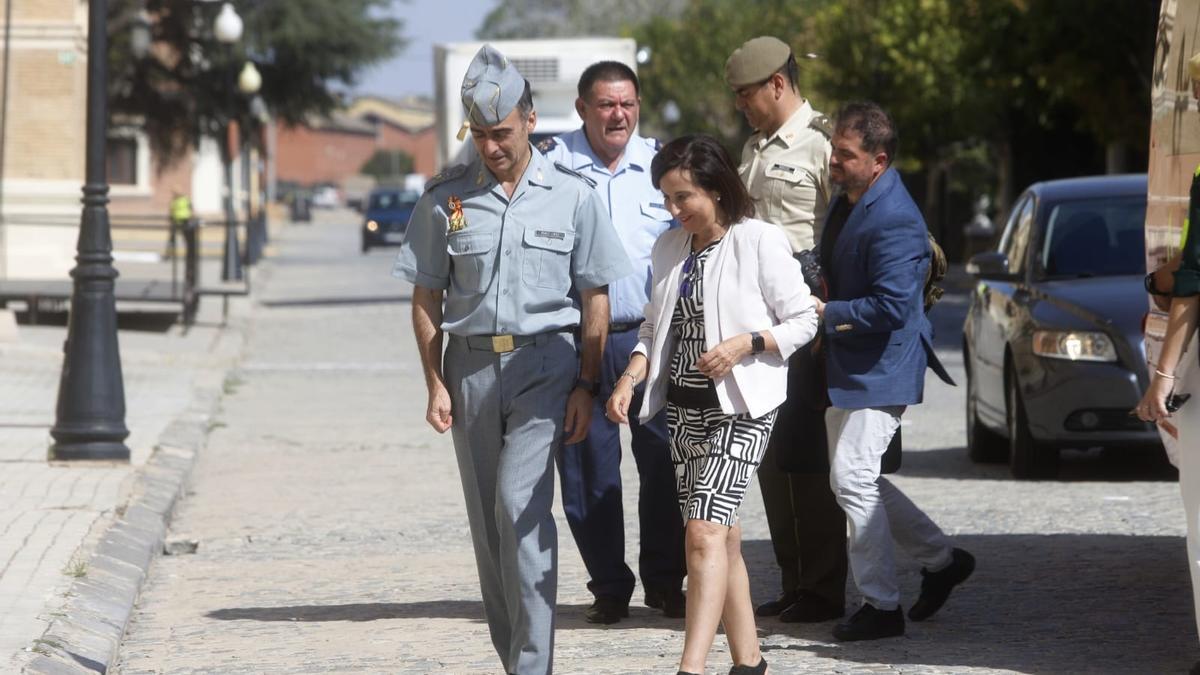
552 66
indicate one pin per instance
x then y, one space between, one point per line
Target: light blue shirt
508 265
634 206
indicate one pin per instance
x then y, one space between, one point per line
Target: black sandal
760 669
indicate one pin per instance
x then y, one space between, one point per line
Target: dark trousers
808 528
590 473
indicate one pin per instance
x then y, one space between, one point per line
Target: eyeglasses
685 285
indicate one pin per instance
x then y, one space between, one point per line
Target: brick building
333 149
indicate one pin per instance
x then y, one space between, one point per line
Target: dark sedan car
1052 343
386 217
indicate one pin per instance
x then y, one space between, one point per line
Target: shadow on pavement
1036 604
1120 465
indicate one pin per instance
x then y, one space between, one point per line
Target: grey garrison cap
491 89
756 60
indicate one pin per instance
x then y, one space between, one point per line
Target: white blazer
751 283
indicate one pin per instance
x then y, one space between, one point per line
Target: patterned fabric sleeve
1187 279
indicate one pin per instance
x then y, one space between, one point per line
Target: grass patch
77 568
231 384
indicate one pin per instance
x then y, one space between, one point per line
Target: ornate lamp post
90 416
228 30
249 83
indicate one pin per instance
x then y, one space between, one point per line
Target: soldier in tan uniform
785 165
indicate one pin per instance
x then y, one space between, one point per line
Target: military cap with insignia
756 60
491 89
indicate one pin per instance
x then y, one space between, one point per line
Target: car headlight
1074 345
372 226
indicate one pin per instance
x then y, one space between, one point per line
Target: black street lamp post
90 416
228 30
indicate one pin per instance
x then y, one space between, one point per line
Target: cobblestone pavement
332 535
47 510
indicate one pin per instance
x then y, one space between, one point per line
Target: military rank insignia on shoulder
450 173
572 172
546 145
822 124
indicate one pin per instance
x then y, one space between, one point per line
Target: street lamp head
249 80
228 27
139 35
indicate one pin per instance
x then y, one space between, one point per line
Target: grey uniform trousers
508 414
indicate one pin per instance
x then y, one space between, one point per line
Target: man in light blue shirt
504 240
608 152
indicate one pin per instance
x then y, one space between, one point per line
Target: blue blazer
878 341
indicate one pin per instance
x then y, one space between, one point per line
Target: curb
85 636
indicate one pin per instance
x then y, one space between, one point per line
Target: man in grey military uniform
608 151
785 166
503 240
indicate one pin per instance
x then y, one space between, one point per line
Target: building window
122 161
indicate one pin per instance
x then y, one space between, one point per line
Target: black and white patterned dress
715 454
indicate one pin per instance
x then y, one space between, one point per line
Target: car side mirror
989 265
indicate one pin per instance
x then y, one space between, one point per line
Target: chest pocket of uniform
791 186
655 211
471 259
548 257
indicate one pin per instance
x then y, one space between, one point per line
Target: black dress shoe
869 623
809 608
1195 669
606 610
936 586
760 669
673 603
776 606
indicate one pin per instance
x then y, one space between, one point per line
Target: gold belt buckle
502 343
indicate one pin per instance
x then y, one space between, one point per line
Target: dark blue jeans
591 492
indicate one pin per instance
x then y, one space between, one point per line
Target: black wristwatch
1148 282
757 344
590 387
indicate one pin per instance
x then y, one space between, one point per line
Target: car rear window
1095 238
392 200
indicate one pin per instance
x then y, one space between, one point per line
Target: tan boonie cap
1194 67
756 60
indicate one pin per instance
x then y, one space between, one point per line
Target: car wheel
984 446
1026 459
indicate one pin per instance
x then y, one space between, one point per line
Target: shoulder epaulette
822 124
655 143
449 173
546 145
573 172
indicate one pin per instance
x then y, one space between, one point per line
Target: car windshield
1095 238
392 200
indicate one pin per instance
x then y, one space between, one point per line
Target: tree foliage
388 165
521 19
185 87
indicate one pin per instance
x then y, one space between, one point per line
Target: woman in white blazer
727 308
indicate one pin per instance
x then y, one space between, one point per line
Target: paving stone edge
85 635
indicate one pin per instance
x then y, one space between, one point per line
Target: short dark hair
711 168
790 71
607 71
872 122
525 103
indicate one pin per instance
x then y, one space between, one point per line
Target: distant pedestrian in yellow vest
181 213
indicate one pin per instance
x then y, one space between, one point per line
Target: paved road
332 536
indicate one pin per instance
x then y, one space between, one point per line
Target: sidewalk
52 516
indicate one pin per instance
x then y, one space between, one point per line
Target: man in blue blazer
878 342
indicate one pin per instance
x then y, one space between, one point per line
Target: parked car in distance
1052 343
386 217
326 197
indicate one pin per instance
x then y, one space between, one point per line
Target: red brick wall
421 146
310 156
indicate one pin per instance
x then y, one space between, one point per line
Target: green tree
387 165
688 54
184 88
520 19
